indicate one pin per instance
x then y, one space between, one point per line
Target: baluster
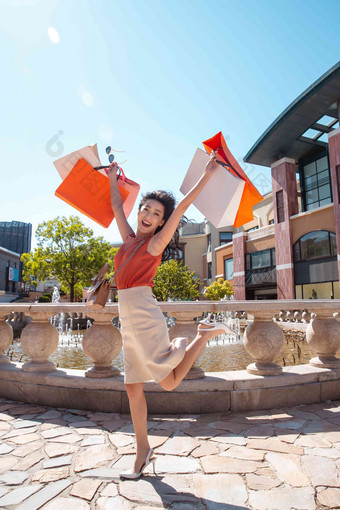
263 339
39 339
6 337
186 327
297 315
305 316
323 336
102 342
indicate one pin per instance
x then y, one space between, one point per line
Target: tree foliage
67 251
175 281
219 290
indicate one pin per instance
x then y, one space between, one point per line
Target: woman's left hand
212 164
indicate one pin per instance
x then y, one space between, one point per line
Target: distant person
148 352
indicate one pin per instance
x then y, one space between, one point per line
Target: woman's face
150 216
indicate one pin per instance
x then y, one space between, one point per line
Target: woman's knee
169 383
134 390
168 386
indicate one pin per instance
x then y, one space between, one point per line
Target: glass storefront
326 290
315 266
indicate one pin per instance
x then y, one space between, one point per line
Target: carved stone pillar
186 327
323 336
102 342
263 340
6 337
39 339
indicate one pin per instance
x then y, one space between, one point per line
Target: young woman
148 352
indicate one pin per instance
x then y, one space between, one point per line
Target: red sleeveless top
141 268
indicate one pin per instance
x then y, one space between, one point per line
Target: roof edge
333 71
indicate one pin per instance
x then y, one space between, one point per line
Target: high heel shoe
215 326
130 475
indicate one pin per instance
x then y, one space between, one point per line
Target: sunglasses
108 151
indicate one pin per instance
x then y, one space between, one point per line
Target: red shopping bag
88 191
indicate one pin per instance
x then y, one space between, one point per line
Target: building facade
16 236
9 271
292 247
15 239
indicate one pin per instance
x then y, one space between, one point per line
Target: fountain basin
217 392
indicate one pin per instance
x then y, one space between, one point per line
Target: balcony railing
261 276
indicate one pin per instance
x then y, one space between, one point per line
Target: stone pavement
62 459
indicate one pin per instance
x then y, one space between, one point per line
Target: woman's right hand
212 164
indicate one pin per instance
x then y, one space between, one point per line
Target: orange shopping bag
88 191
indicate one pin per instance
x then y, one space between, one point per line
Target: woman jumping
148 353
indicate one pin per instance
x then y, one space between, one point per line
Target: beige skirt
148 353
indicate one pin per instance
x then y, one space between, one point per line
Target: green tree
219 290
173 280
67 251
35 267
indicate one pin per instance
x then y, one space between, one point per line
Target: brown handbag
100 289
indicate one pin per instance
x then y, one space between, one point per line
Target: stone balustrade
102 342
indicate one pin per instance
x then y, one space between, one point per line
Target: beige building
291 249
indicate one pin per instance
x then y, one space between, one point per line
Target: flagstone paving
69 459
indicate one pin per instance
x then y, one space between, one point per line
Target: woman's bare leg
139 414
192 352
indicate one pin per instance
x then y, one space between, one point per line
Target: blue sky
154 78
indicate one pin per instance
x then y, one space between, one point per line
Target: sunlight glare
53 35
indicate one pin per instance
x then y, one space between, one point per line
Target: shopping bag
220 199
65 164
250 195
88 191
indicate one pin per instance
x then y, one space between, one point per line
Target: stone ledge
217 392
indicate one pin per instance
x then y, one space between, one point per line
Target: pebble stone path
62 459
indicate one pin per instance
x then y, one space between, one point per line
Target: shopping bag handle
120 171
228 167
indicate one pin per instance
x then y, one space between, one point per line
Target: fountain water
55 295
233 323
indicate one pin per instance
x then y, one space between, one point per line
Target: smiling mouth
146 224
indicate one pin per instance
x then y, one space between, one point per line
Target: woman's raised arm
117 203
164 236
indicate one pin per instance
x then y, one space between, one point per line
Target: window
229 269
271 222
314 245
209 243
254 228
280 206
260 259
316 183
225 237
176 254
209 275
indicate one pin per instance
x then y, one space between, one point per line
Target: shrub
219 290
44 299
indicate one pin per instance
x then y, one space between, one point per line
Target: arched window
315 245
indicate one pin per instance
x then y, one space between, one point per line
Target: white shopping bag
65 164
220 198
